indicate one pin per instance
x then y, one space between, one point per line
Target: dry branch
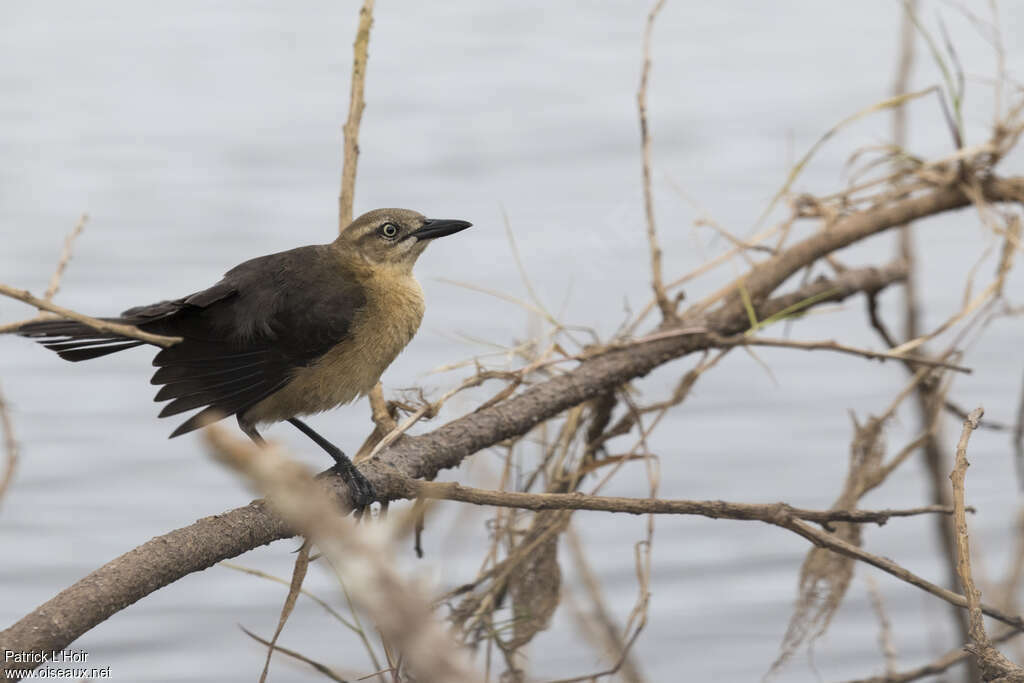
274 647
95 323
10 447
294 589
856 226
993 665
831 345
825 540
957 476
884 625
356 104
65 257
600 625
939 665
668 310
715 509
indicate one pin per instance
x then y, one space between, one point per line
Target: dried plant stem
10 446
294 588
272 647
312 596
830 345
715 509
383 421
939 665
769 274
668 310
1018 432
831 542
993 665
606 630
963 549
884 625
95 323
356 104
65 257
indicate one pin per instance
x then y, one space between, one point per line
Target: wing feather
242 339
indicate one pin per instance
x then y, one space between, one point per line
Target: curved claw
360 490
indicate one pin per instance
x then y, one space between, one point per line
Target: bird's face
395 237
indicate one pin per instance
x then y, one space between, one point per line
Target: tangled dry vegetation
568 395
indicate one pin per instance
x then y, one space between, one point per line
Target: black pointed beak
440 228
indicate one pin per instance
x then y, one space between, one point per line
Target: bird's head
394 237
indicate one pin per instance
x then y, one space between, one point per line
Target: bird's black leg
359 487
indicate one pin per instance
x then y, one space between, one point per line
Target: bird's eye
388 230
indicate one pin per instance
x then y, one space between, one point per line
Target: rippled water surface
201 134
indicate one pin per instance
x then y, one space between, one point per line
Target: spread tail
75 341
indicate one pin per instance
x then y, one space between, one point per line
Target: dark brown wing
242 338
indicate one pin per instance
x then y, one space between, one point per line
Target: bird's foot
360 490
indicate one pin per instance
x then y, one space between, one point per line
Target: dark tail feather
75 341
226 407
77 354
197 421
215 386
63 328
171 374
213 395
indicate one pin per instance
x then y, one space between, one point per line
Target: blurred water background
198 135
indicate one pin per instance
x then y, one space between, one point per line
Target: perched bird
284 335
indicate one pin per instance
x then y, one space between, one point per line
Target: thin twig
65 256
356 104
95 323
953 408
830 541
273 646
668 310
830 345
277 579
884 625
10 447
607 630
994 666
1018 435
715 509
294 588
939 665
957 476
